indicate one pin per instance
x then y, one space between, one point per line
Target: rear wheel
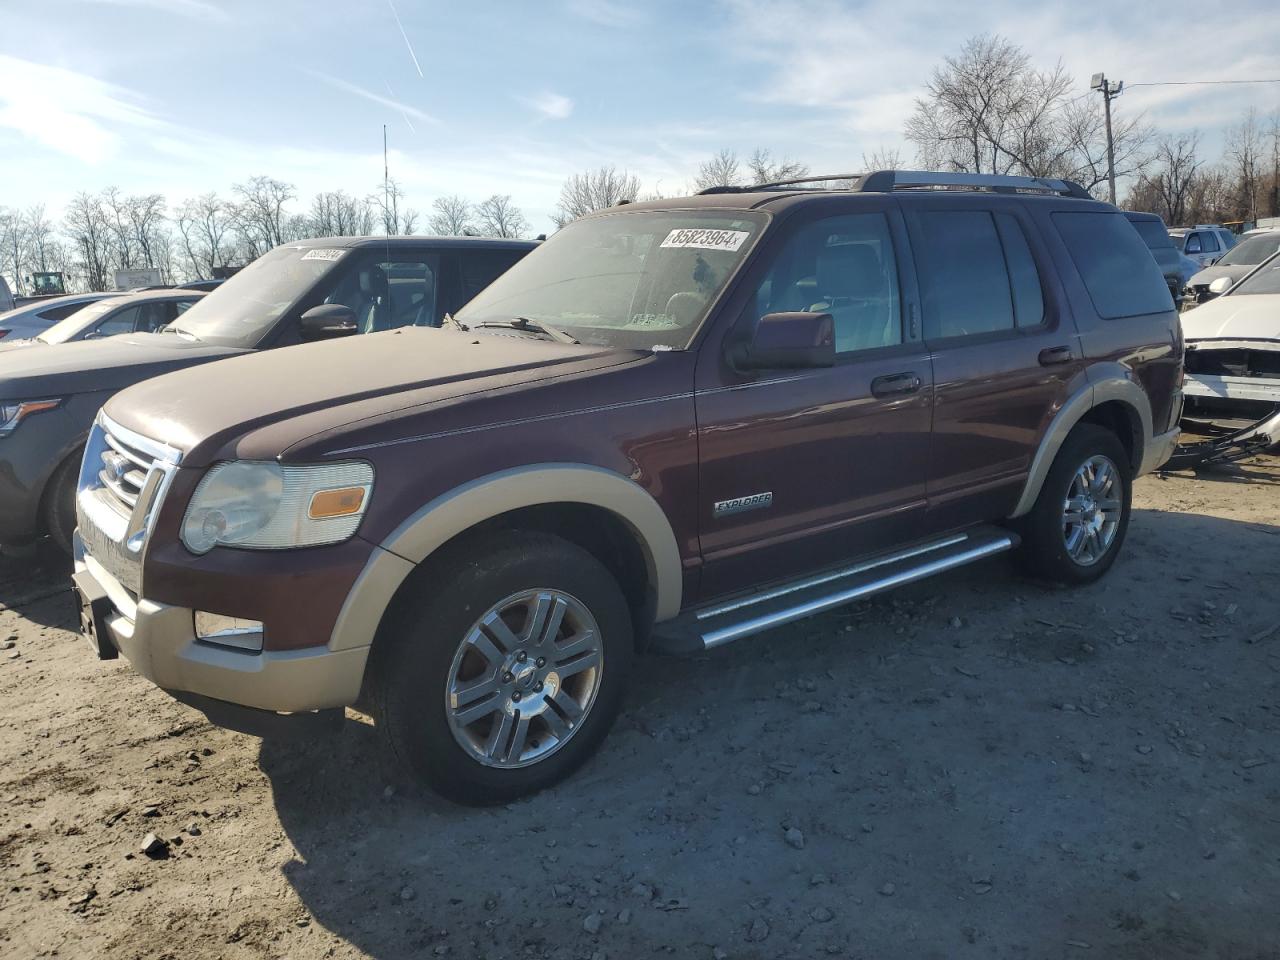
505 674
1074 532
60 504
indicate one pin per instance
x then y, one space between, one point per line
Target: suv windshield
1252 251
1265 279
240 311
629 279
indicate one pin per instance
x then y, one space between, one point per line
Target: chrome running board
754 613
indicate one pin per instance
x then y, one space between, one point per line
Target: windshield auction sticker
323 254
704 239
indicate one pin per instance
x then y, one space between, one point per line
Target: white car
1233 356
1204 243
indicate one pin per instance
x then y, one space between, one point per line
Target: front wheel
1073 533
60 504
507 671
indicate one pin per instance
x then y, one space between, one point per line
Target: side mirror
788 341
327 321
1220 286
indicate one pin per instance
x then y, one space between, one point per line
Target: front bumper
160 642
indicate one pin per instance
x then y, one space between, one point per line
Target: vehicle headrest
849 270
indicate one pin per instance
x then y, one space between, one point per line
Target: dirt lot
972 767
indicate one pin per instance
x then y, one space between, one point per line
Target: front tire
507 670
1076 528
60 504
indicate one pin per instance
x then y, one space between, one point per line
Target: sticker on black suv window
706 239
323 254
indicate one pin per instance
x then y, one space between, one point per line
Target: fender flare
460 509
1106 382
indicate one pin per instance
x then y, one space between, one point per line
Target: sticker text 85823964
706 239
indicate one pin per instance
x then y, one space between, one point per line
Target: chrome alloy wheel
524 678
1092 510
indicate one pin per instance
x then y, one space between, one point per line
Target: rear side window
1024 279
1115 265
977 274
61 311
481 267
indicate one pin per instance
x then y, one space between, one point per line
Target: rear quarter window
1118 271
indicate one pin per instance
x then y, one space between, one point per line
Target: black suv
298 292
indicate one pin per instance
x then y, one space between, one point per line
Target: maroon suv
685 421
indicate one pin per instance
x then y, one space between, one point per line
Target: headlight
259 505
12 414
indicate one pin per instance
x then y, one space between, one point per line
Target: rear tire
60 504
1076 528
508 668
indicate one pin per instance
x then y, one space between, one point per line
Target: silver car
1253 248
1204 243
33 319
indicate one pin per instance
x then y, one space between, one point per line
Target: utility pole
1110 89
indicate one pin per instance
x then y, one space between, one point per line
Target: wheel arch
1111 398
587 505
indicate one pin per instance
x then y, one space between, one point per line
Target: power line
1194 83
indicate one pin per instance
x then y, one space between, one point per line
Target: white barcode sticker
323 253
706 239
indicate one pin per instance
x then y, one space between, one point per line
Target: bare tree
146 215
338 214
1167 186
499 217
259 212
1244 154
593 190
882 158
87 226
452 217
397 219
1084 130
762 168
722 170
204 223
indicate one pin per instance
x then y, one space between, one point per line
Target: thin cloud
407 122
553 106
198 9
69 112
607 13
407 44
377 98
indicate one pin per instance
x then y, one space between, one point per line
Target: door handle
1050 356
895 384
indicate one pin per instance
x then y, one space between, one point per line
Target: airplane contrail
406 38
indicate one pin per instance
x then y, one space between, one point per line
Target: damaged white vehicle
1232 385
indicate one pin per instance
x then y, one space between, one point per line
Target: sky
496 96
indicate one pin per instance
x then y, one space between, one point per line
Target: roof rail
887 181
774 184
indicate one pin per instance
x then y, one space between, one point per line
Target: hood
88 366
201 409
1210 274
1244 317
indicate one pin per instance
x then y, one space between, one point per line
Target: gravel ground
975 766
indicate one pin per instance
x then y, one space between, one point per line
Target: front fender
461 509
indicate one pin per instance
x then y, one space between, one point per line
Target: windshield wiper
524 324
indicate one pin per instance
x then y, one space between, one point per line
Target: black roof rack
887 181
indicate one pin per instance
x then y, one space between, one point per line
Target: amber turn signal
342 502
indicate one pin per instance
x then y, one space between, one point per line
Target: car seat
851 282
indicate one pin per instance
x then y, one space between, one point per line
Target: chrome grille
124 470
123 480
